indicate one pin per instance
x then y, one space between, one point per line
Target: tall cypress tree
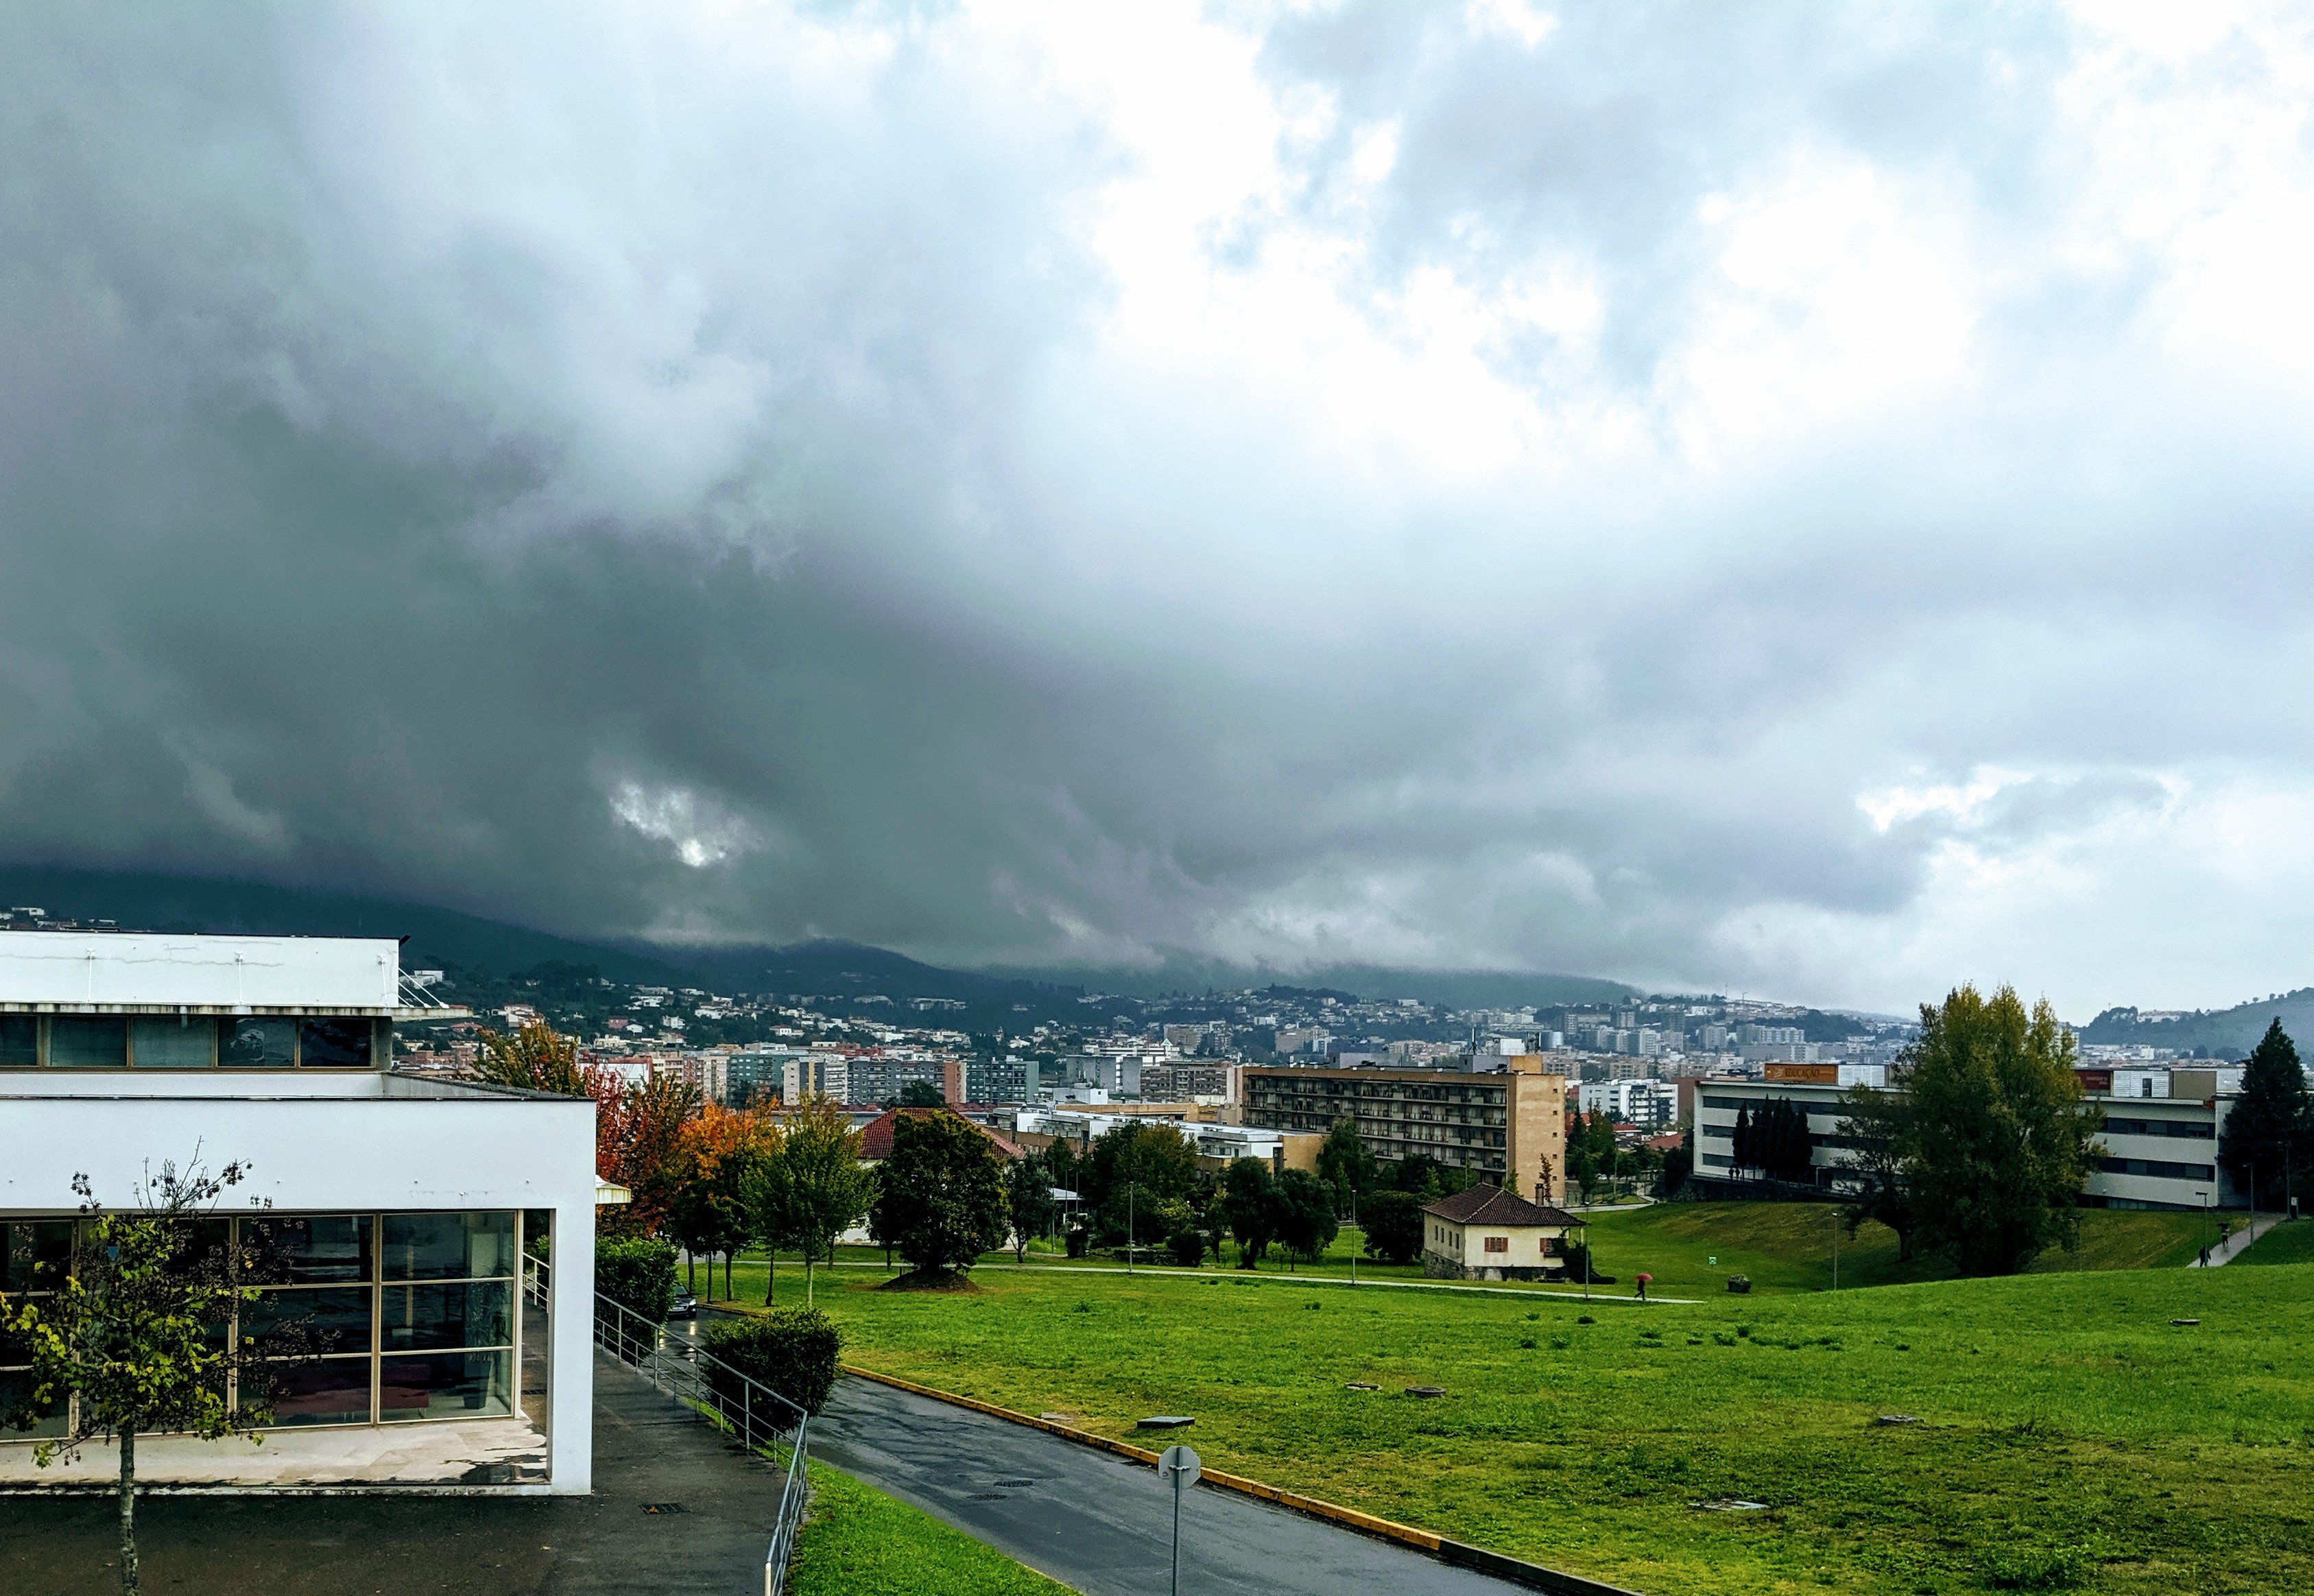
2269 1136
1744 1138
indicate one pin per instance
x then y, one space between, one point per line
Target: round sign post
1180 1465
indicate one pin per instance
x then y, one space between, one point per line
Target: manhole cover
1016 1485
1733 1504
2185 1321
1426 1390
658 1507
1361 1385
1165 1421
990 1497
1896 1418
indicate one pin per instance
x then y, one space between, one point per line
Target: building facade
400 1207
2161 1151
1508 1126
1483 1233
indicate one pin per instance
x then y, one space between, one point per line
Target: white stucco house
404 1205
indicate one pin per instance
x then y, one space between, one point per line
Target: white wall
457 1151
109 967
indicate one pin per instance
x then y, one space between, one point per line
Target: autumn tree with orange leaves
717 1159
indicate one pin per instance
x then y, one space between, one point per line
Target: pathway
647 1451
1102 1523
2233 1246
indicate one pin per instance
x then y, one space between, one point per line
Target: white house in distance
1487 1233
404 1204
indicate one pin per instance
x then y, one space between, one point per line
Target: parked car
684 1306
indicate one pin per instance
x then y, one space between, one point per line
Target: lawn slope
2067 1432
860 1542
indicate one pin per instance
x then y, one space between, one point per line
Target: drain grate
660 1507
1016 1483
988 1496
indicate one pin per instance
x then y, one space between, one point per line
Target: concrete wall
71 968
378 1143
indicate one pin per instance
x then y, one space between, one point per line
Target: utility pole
1128 1227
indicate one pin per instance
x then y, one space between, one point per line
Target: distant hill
2219 1032
828 969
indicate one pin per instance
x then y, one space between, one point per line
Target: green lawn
1788 1247
2290 1243
2068 1429
860 1542
1783 1246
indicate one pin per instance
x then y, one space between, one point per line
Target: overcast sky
1796 500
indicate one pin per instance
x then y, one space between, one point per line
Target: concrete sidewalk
2233 1246
647 1451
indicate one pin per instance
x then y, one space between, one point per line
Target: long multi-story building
2160 1133
1507 1126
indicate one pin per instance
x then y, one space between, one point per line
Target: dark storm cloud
745 477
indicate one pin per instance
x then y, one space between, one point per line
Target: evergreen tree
1746 1143
943 1193
1027 1186
1996 1142
2269 1136
1344 1165
1247 1199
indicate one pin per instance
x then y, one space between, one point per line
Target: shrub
1188 1248
791 1350
638 1274
1077 1239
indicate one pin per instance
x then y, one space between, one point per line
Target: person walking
2205 1257
1643 1280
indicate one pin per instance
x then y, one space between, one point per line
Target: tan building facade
1486 1234
1508 1127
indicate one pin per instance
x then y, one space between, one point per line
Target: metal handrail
763 1420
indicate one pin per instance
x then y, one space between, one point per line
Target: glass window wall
166 1042
334 1044
20 1041
88 1041
393 1318
257 1044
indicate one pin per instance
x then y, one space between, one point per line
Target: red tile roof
1491 1205
876 1135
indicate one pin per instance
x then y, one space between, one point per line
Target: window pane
445 1245
255 1044
333 1044
88 1041
416 1317
38 1252
444 1386
333 1391
183 1043
15 1391
321 1319
20 1041
305 1250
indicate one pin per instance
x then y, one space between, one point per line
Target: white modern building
2160 1134
401 1207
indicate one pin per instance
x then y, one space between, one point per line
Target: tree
1344 1165
768 1198
717 1162
134 1330
1996 1141
1780 1142
537 1058
1305 1225
1678 1165
944 1201
920 1094
828 1189
1029 1190
2269 1136
1393 1225
1873 1127
1747 1149
1591 1151
1418 1175
638 1144
1247 1199
1061 1163
1152 1159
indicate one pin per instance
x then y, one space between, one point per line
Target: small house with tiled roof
876 1135
1487 1233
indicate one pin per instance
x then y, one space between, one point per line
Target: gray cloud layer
1739 498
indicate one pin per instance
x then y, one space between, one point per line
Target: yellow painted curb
1386 1528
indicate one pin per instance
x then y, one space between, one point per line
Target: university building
1508 1126
2161 1130
396 1210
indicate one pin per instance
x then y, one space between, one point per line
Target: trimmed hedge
638 1274
791 1350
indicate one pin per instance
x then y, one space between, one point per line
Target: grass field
2070 1435
860 1542
2292 1243
1781 1247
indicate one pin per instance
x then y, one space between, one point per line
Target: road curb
1532 1576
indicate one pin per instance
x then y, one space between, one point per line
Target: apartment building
1508 1126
